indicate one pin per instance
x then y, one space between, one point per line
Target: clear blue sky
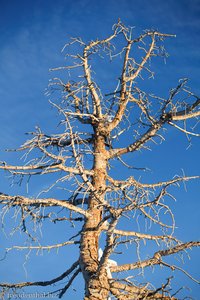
32 34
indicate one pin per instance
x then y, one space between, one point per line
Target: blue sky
32 34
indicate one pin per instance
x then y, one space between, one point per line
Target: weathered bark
96 287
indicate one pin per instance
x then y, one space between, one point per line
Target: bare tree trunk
96 288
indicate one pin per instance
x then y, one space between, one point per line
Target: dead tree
82 155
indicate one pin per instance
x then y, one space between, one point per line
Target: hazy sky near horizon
32 34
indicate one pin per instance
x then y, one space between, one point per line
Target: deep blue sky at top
32 34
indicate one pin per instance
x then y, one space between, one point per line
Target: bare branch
139 143
187 113
63 291
156 258
42 283
125 291
143 235
133 182
48 202
40 247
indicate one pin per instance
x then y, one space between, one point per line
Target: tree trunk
95 288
